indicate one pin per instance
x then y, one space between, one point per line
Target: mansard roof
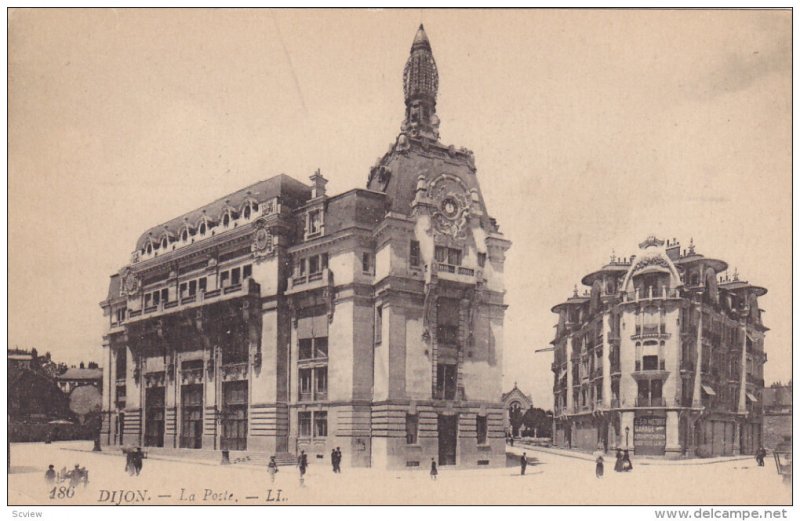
278 186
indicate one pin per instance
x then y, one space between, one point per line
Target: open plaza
552 478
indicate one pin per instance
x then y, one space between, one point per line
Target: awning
312 327
751 397
709 391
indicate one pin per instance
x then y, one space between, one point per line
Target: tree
538 422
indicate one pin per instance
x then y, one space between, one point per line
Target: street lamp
783 459
627 431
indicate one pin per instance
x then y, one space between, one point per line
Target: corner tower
438 294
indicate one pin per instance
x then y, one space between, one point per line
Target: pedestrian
75 476
599 459
302 464
761 453
618 465
338 460
50 475
333 459
272 468
138 460
434 470
512 440
627 466
129 466
523 464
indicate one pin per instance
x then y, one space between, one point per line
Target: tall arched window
226 220
246 212
185 235
202 228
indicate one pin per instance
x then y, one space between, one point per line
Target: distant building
777 406
77 376
20 359
662 356
515 403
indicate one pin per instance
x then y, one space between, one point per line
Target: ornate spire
420 85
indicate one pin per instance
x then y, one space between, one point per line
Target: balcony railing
650 402
649 294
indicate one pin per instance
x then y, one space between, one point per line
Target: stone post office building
282 318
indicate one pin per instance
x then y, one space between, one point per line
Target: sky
591 130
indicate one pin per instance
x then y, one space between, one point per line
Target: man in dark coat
333 459
302 464
50 475
523 463
338 469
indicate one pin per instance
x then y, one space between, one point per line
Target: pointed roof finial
691 246
575 290
421 39
735 274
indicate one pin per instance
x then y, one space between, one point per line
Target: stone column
569 373
743 372
696 398
606 361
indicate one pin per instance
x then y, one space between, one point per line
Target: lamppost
627 431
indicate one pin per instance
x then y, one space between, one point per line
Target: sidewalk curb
639 461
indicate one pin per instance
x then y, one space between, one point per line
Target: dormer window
202 228
185 235
226 220
164 243
149 249
314 222
246 212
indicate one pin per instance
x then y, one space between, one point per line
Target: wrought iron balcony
650 402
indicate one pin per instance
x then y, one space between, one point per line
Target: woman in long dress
599 458
618 465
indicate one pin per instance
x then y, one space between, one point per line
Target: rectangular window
182 289
121 363
413 255
482 428
453 257
366 264
313 264
202 282
324 261
650 363
235 280
148 300
321 347
446 377
165 295
304 424
305 351
320 424
304 381
156 298
321 382
247 271
192 288
441 254
314 222
412 428
224 279
301 267
481 259
378 324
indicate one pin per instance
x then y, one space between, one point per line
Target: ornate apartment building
662 356
280 318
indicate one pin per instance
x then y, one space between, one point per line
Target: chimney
318 185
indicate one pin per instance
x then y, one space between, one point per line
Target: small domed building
662 355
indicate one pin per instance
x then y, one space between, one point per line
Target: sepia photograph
289 257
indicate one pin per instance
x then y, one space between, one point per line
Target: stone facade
662 356
777 415
281 318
